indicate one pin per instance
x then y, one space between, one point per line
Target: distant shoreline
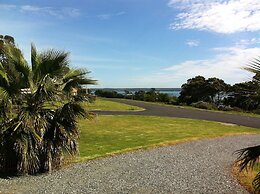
170 91
137 89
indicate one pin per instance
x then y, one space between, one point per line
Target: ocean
169 91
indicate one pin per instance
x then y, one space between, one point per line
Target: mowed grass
106 135
102 104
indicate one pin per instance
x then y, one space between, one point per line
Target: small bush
174 100
237 109
257 111
204 105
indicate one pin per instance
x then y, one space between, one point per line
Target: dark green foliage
174 100
162 97
9 39
194 90
244 95
153 96
204 105
150 96
139 95
248 158
108 94
199 89
216 88
257 111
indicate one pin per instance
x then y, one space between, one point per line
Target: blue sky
141 43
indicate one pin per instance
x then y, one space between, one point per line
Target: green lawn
102 104
106 135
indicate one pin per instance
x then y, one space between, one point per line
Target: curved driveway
172 111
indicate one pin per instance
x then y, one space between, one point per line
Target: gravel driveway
196 167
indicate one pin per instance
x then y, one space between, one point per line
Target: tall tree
194 90
244 95
216 89
201 89
33 137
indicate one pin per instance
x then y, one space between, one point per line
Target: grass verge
107 135
106 105
246 177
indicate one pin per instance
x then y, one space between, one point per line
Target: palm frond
256 183
254 67
248 157
34 57
3 73
46 90
15 57
76 78
4 95
21 137
52 62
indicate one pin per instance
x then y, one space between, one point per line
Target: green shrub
257 111
174 100
204 105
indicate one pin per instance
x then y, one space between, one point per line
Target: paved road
196 167
171 111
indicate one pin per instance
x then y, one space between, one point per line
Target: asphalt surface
172 111
202 166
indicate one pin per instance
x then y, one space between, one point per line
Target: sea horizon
169 91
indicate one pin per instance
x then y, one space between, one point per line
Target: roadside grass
107 135
246 177
106 105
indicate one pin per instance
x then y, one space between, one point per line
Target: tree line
216 94
150 96
211 93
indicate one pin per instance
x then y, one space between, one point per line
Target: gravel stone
202 166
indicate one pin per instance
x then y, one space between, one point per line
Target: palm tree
249 157
33 137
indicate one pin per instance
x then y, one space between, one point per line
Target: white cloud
222 16
7 7
227 64
72 12
57 12
31 8
192 43
110 15
252 41
104 16
63 12
120 13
